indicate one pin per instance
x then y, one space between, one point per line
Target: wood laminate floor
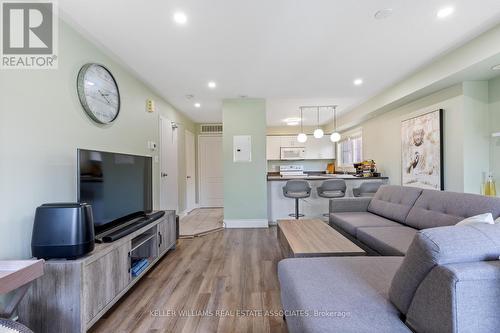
201 221
227 271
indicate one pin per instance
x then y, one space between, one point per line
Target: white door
190 172
169 189
211 169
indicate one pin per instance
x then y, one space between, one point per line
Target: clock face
98 93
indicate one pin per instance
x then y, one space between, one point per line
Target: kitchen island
278 206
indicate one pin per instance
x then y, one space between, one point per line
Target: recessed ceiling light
197 105
445 12
212 84
496 68
383 14
180 18
358 82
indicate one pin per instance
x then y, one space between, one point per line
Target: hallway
201 221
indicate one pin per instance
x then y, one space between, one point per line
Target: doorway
169 189
211 171
190 172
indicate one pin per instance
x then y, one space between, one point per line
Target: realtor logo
29 39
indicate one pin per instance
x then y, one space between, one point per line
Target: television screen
116 185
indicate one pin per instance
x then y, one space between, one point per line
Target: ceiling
291 52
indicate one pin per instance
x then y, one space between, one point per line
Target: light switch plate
150 105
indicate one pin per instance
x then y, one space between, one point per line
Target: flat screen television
118 186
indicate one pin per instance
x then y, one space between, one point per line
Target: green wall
382 136
477 134
245 185
494 110
42 124
466 135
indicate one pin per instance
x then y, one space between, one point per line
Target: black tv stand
129 227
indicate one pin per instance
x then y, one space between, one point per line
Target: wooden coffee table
313 238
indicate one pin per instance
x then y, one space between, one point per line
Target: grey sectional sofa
448 280
387 223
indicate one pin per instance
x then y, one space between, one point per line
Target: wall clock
98 93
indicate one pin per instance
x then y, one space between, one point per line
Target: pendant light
335 136
318 132
302 137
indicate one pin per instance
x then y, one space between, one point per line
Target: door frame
195 174
160 171
198 167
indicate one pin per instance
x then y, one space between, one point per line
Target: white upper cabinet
319 149
290 141
273 147
316 149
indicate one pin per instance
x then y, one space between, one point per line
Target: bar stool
334 188
367 189
297 189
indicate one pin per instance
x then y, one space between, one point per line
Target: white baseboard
187 211
246 223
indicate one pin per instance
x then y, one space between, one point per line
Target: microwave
292 153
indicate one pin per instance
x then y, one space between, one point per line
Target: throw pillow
482 218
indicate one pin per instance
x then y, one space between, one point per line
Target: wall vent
211 129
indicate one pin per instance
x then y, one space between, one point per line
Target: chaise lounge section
387 223
447 283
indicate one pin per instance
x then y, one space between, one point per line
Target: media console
73 294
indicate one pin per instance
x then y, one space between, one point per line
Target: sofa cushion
462 297
388 241
394 202
438 208
350 222
441 246
356 287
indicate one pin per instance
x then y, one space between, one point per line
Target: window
350 151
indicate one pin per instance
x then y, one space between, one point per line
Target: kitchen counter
278 206
324 177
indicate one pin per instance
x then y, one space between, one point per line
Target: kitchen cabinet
273 145
290 141
319 149
315 149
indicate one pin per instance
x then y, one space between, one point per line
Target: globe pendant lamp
335 136
302 137
318 132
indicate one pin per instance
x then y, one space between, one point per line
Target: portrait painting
422 151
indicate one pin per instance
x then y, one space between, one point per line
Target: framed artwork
422 151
